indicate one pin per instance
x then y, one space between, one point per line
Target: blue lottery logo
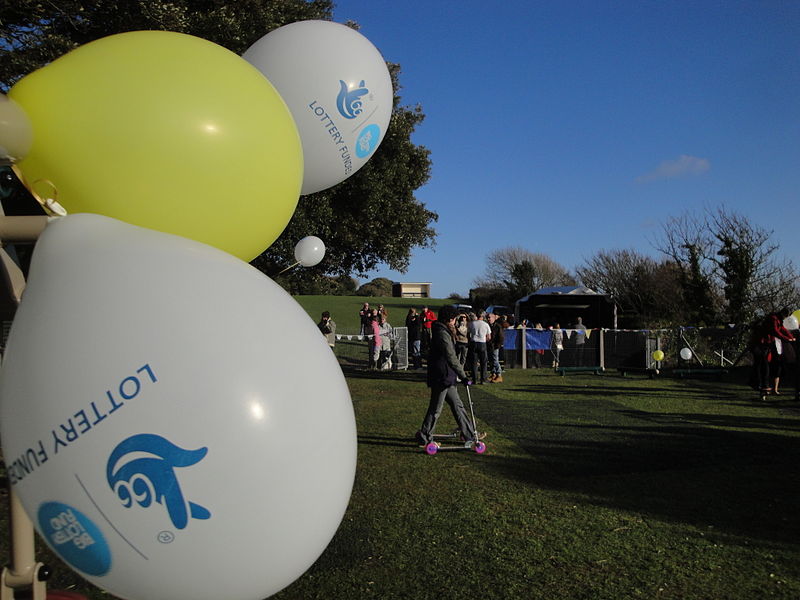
349 101
367 140
143 467
75 538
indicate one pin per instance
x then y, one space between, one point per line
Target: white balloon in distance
309 251
338 89
686 354
158 421
791 323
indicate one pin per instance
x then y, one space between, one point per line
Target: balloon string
50 205
289 267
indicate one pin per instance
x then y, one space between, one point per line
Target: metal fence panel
353 350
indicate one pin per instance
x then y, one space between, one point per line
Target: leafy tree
347 285
517 272
753 279
647 291
699 289
522 279
729 268
687 243
378 287
317 283
371 218
483 296
35 33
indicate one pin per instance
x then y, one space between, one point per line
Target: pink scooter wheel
480 447
432 448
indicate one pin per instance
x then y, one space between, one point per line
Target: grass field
344 309
593 487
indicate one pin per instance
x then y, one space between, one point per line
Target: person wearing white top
479 334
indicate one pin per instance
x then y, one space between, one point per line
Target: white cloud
682 166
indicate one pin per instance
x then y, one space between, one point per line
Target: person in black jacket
444 370
496 343
414 327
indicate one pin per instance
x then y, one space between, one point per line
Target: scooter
477 446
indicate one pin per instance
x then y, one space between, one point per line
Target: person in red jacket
428 317
769 336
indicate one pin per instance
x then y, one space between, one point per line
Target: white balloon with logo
338 89
158 420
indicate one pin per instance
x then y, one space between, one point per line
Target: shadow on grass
377 440
361 373
701 469
598 391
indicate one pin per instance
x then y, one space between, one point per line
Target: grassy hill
344 309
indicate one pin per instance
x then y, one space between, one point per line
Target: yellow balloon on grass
658 355
165 131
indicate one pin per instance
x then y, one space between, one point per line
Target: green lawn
593 487
344 309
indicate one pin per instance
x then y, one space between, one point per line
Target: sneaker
480 435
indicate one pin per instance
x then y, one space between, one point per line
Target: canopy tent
565 304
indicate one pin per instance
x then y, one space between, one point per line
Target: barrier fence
591 349
704 347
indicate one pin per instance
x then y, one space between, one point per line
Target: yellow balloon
165 131
797 314
658 355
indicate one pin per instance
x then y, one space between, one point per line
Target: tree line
712 268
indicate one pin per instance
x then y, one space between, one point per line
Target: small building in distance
411 290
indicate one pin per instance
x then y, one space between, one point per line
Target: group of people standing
420 327
376 327
477 338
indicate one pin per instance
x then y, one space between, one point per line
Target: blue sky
572 127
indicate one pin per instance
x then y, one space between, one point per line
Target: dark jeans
511 358
438 397
479 357
461 352
579 354
425 338
761 365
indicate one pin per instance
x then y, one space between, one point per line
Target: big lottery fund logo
349 101
348 137
75 537
142 468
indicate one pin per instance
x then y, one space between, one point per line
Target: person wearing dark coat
767 341
444 371
414 327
